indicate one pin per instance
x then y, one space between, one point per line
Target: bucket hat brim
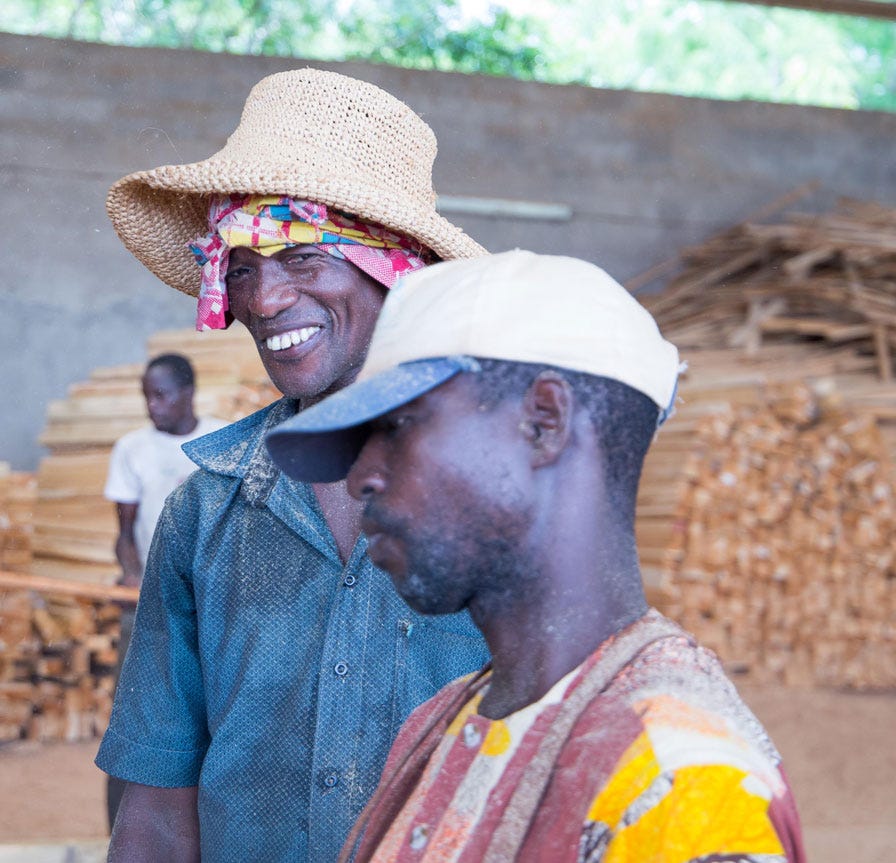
307 134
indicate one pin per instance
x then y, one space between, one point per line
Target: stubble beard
445 573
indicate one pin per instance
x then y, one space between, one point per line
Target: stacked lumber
18 491
742 498
828 277
57 662
59 625
74 525
783 559
716 381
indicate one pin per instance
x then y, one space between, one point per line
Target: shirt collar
239 450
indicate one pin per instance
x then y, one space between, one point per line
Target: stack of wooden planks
18 491
59 623
828 278
782 556
56 665
769 527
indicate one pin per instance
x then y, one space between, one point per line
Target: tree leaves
691 47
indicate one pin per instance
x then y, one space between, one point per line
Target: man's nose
365 478
274 291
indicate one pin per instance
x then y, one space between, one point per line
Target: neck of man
185 425
581 586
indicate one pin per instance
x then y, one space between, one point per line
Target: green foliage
234 26
437 36
722 50
693 47
871 51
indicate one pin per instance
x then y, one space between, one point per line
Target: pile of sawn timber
767 503
59 623
18 490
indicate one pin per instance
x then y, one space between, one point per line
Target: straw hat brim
157 213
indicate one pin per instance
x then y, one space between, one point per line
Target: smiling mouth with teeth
293 337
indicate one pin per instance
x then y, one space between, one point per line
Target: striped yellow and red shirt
666 765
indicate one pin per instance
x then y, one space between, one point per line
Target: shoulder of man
123 461
135 437
129 447
677 740
224 449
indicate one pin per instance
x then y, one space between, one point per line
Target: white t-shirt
146 465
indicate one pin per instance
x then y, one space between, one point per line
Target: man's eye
236 273
299 257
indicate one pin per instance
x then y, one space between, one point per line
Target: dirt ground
839 750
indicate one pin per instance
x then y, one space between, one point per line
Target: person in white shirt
146 465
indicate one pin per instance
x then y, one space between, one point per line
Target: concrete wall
643 175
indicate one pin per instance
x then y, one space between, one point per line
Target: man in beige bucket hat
272 663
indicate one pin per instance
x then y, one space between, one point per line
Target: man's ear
547 416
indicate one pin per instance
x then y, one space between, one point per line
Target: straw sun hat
308 134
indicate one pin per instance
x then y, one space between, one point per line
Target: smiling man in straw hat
272 663
496 437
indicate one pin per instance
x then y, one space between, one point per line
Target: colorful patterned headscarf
269 223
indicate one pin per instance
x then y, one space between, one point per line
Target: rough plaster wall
644 174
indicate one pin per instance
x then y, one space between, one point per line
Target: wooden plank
67 587
76 570
829 330
882 351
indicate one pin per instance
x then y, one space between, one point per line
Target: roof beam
859 8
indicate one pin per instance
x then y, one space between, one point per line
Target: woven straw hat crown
308 134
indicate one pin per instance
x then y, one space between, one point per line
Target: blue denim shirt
261 668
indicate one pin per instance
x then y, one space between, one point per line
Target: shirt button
349 580
472 737
341 669
331 780
419 836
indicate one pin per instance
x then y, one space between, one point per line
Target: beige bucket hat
305 133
